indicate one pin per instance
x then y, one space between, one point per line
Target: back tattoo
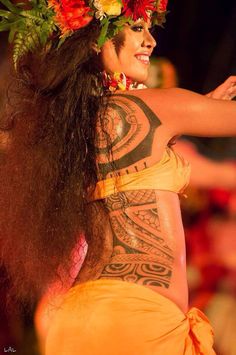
127 132
140 253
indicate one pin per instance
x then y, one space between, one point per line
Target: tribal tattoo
127 133
140 253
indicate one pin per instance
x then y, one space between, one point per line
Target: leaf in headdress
122 21
29 27
61 41
19 48
8 4
5 14
12 34
102 38
5 26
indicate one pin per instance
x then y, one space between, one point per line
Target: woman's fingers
226 91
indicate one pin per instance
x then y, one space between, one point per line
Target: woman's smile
130 51
144 58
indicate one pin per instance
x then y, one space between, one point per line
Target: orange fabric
171 173
112 317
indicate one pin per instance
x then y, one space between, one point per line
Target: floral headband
31 24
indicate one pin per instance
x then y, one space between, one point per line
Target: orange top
171 173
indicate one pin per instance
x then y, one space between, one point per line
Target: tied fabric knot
200 329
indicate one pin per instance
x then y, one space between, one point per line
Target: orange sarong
112 317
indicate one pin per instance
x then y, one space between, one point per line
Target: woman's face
129 51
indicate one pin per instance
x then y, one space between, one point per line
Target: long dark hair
49 162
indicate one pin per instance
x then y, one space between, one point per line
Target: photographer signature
9 350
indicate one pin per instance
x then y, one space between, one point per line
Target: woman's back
140 195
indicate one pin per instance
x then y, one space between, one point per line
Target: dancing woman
88 157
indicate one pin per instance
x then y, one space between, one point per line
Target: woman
82 160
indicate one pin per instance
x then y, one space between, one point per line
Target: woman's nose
149 40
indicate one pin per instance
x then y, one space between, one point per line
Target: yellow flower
111 7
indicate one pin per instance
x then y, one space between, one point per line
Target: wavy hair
49 163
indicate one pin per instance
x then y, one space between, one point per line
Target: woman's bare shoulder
185 112
130 129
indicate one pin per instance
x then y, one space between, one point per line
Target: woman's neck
119 82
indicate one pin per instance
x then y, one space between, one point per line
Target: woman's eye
137 28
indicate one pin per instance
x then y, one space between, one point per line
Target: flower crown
32 24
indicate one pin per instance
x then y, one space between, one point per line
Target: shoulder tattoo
126 133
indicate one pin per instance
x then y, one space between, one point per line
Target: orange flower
71 14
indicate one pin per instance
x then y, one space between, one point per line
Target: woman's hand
226 91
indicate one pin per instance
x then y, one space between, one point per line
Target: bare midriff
148 242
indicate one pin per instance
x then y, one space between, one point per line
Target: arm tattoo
127 132
140 253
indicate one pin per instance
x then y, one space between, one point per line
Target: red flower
137 9
71 14
162 5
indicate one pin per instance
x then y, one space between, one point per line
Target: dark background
200 40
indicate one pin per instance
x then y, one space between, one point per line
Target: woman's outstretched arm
184 112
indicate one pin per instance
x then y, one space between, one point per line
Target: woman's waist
148 245
162 275
175 183
147 223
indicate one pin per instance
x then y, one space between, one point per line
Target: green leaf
29 28
5 26
5 14
45 31
20 4
102 38
121 21
62 40
12 34
34 2
32 15
10 6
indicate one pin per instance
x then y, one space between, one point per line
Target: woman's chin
141 78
